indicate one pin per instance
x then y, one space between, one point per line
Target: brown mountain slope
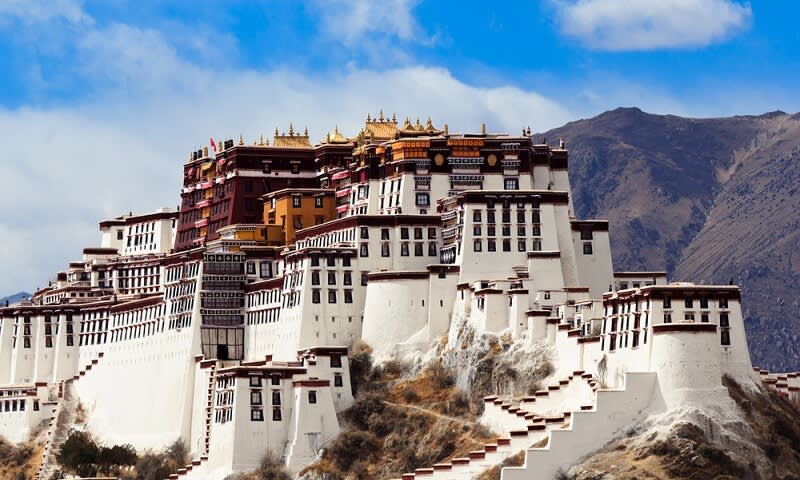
710 200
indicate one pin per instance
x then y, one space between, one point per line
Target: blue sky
101 101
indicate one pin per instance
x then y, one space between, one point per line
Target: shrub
79 453
272 468
352 446
360 360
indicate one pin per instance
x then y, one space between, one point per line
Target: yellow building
297 208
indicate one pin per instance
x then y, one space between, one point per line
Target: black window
423 199
364 250
255 397
318 202
347 278
490 216
364 233
521 231
276 395
314 277
417 234
667 318
384 250
315 296
476 230
296 201
725 337
724 322
331 261
586 234
336 361
521 245
431 232
723 302
432 250
276 381
331 278
667 302
314 261
255 381
491 245
418 249
276 414
257 415
348 296
337 381
511 184
312 396
491 230
404 249
520 216
384 234
689 303
404 233
703 303
364 278
346 261
587 248
506 216
331 296
476 216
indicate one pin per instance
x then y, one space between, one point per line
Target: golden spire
369 118
305 131
446 131
276 131
429 124
291 130
483 129
380 115
336 129
394 118
205 151
241 139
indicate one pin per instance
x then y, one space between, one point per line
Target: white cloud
35 11
351 21
70 167
651 24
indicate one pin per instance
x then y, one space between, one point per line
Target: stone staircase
60 424
522 426
592 426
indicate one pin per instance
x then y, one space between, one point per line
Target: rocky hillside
709 200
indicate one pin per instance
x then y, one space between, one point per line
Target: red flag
214 145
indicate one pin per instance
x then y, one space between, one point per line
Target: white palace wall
120 390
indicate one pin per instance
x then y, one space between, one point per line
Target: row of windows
316 296
689 302
404 233
346 277
505 216
724 320
491 230
491 245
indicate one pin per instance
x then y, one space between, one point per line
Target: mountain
709 200
15 298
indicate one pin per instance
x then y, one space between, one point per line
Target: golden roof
291 139
379 129
417 129
336 137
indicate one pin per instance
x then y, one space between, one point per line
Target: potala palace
227 323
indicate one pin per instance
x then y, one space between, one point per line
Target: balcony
201 223
203 203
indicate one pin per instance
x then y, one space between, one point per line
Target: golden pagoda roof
336 137
291 139
417 129
379 129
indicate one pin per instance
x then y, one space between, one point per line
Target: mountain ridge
710 200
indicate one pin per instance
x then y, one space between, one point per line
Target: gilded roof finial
394 118
241 139
446 130
483 129
205 151
276 131
305 131
528 131
336 129
429 124
406 124
261 140
369 117
380 115
291 130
